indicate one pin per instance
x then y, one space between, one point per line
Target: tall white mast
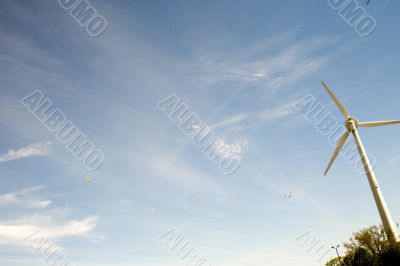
352 124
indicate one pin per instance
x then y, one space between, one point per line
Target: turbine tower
352 124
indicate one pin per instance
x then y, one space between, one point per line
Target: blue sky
240 66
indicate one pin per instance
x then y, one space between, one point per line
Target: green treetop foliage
369 247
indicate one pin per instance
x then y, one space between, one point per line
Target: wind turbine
352 124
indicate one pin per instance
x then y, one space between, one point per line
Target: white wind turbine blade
336 100
378 123
337 150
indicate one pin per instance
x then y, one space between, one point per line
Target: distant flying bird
289 195
368 1
87 179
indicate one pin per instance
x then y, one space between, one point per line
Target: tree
369 247
334 262
373 239
362 257
391 257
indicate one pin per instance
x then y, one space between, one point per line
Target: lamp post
336 248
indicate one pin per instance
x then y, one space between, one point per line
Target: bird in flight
368 1
288 195
88 179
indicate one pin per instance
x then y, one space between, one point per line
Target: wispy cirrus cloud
35 149
24 198
273 65
242 121
179 173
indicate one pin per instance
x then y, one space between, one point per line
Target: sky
239 66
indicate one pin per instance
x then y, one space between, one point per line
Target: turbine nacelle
351 123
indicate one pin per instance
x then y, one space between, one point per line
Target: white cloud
233 120
243 121
225 149
292 62
31 150
13 232
24 198
180 173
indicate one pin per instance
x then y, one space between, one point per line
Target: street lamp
336 248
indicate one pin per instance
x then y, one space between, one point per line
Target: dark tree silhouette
369 247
